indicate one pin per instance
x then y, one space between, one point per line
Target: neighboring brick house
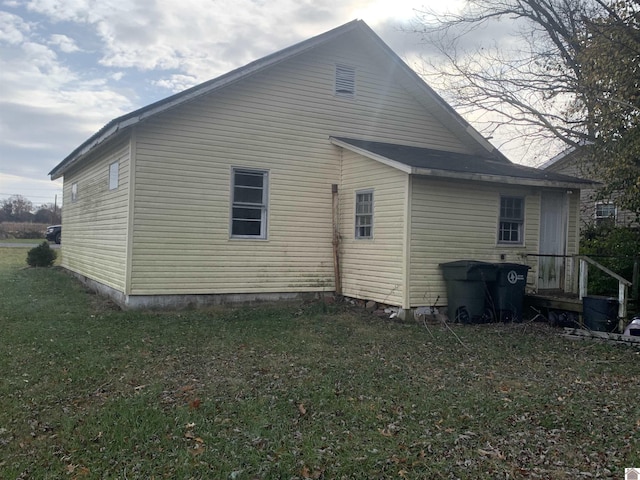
592 209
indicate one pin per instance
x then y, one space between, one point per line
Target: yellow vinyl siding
573 242
279 120
94 228
458 220
373 269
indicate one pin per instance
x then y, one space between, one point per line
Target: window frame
263 206
74 192
513 220
602 218
114 175
343 76
358 226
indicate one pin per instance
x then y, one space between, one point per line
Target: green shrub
41 256
615 248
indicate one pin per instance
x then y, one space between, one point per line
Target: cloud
177 83
67 67
64 43
12 28
46 107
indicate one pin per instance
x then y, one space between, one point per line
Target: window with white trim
249 192
364 214
345 85
510 230
74 192
605 211
113 176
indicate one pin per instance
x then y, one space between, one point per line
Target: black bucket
600 313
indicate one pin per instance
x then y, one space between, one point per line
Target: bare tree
48 213
567 75
531 80
16 208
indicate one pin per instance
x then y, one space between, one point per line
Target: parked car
54 233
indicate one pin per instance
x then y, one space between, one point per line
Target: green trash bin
600 313
468 282
507 292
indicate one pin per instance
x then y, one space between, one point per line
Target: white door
553 240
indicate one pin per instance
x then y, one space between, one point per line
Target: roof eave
472 176
506 179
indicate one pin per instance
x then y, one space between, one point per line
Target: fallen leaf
195 403
491 453
315 475
197 450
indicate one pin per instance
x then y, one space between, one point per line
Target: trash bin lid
468 270
511 266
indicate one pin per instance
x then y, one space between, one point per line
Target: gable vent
345 81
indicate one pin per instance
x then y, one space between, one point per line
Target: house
593 210
329 165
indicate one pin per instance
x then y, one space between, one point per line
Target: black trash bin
507 292
600 313
467 286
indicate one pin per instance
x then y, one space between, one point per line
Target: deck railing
583 276
623 286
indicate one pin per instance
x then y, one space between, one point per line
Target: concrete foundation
181 302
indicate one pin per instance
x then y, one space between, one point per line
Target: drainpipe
336 239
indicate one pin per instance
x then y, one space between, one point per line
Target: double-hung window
364 214
249 203
605 212
510 230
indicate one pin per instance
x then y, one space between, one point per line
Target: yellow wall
94 228
373 269
458 220
279 120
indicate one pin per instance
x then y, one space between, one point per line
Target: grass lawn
26 241
297 391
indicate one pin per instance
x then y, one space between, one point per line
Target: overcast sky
67 67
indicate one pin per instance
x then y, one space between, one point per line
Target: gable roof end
447 114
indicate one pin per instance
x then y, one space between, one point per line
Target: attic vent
345 81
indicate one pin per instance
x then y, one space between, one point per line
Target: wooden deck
554 301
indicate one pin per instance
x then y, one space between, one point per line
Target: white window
113 176
249 203
511 220
345 85
364 214
605 211
74 192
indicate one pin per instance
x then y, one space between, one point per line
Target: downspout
336 239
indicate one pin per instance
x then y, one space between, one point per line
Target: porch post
584 277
